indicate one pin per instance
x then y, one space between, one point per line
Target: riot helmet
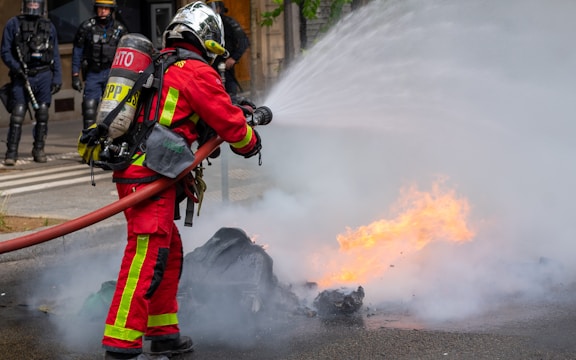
111 4
199 25
33 7
105 3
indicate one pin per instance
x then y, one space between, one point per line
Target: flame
422 218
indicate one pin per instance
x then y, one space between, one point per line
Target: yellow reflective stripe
162 320
132 280
194 118
169 107
240 144
122 333
138 159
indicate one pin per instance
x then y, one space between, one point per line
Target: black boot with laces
182 344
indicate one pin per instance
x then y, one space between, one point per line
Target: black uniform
30 50
95 44
236 42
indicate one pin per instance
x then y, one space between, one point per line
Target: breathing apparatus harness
119 153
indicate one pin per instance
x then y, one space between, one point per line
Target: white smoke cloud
401 92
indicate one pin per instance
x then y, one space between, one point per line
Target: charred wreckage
231 272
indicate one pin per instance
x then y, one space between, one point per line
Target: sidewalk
75 201
62 203
60 146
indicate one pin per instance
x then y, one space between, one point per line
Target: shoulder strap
144 77
167 59
156 68
154 73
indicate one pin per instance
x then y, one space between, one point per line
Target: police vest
101 44
34 41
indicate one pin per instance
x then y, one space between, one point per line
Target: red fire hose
109 210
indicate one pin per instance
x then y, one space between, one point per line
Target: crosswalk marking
30 160
45 171
49 185
49 178
70 174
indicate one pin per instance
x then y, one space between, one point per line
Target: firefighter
237 43
30 50
144 305
95 44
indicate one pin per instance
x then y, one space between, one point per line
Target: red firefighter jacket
193 90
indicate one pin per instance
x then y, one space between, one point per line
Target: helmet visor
33 7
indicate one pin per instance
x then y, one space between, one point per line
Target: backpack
118 153
169 153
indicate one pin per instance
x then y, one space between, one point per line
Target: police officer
30 50
94 47
236 42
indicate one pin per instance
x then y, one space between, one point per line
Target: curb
80 240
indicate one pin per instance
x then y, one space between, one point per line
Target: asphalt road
42 289
40 298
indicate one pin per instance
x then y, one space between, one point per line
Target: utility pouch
167 153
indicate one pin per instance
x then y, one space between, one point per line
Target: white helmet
197 21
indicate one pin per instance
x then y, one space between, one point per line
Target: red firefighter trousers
144 303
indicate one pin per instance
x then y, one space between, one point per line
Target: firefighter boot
40 132
180 345
14 134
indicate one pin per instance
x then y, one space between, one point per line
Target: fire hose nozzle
260 116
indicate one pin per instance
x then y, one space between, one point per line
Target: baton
26 81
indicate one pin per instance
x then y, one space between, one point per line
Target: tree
308 9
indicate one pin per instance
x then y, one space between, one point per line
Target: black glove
91 136
242 101
55 88
76 83
17 73
246 110
255 150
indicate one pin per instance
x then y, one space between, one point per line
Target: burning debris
233 274
340 301
229 269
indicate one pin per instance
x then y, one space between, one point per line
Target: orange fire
422 218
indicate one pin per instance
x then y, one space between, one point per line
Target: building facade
257 70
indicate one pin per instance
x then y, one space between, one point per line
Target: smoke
69 291
400 93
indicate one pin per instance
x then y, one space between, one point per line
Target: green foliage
336 9
308 8
269 17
